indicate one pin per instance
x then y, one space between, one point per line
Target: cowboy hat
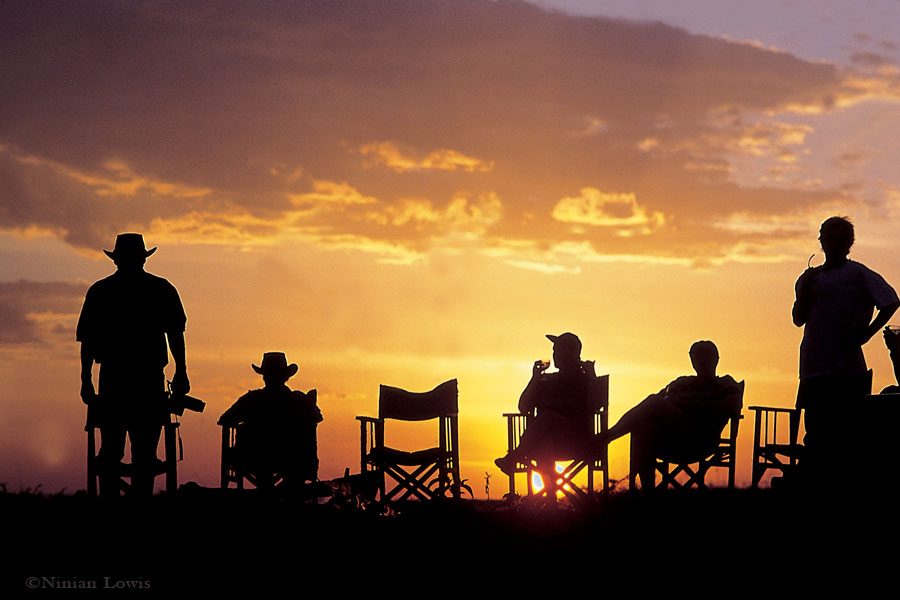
129 244
275 363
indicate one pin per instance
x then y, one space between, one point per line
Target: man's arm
87 366
180 381
230 417
530 395
803 302
881 318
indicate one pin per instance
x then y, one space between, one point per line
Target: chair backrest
396 403
706 437
599 398
728 434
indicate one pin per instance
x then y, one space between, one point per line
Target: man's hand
539 367
892 340
180 383
588 367
807 279
87 390
803 287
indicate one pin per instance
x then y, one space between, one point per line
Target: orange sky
421 192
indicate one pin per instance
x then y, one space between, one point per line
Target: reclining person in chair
682 420
277 432
563 425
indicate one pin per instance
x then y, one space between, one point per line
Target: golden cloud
462 213
442 121
603 209
119 180
389 155
330 192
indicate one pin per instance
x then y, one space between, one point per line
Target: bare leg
652 411
643 456
543 437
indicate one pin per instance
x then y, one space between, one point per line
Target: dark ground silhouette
206 540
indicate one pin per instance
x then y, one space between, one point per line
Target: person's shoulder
683 381
852 266
103 284
252 394
728 385
810 272
157 281
873 280
859 269
238 411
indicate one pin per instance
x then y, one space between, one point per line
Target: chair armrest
370 430
733 424
371 436
776 409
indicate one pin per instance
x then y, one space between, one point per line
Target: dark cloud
38 312
870 60
182 114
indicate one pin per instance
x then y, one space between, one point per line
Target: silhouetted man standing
835 304
124 326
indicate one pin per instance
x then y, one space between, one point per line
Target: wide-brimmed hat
275 363
129 245
566 340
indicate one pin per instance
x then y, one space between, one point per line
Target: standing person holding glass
835 304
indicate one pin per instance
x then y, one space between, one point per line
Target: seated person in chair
277 432
682 421
563 425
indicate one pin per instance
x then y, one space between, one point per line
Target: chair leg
171 461
91 464
226 434
758 471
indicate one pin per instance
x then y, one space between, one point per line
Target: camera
178 403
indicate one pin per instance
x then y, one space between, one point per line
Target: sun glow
538 484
